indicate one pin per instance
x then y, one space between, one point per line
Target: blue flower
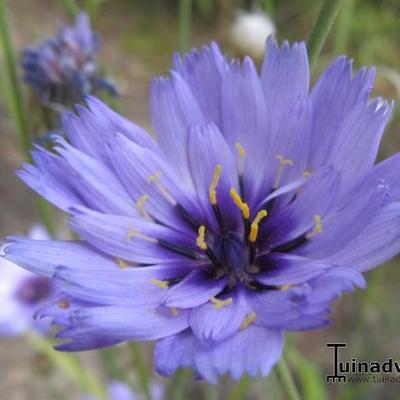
257 206
64 68
118 390
21 293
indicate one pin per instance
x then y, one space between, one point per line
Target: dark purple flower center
33 290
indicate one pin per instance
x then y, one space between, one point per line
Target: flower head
258 205
64 68
21 293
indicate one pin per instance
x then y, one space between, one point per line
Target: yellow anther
248 320
240 149
286 287
218 304
243 207
174 311
155 177
121 263
255 224
160 284
133 233
140 205
201 238
282 163
307 173
317 227
212 194
63 304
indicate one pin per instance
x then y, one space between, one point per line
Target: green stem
344 26
185 16
141 368
321 28
179 384
241 390
287 381
16 106
70 365
71 7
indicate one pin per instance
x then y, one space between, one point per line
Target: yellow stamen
248 320
201 238
213 185
317 227
133 233
156 179
254 226
243 207
63 304
140 205
174 311
282 163
240 149
160 284
286 287
307 173
218 304
121 263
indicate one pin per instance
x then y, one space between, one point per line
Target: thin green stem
179 385
185 20
15 103
141 368
241 390
71 6
14 95
287 381
321 28
70 365
344 26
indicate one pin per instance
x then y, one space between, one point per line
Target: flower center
33 289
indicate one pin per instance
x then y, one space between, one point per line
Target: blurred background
138 39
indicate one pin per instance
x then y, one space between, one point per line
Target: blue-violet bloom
21 293
258 204
63 69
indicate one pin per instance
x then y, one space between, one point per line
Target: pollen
160 284
317 227
140 205
240 149
213 185
121 263
283 162
243 207
133 233
218 304
255 224
201 238
156 180
174 311
64 304
307 173
248 320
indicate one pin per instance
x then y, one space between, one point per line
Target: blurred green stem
321 28
241 390
344 26
268 6
141 368
178 385
287 381
71 6
185 20
70 365
13 97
